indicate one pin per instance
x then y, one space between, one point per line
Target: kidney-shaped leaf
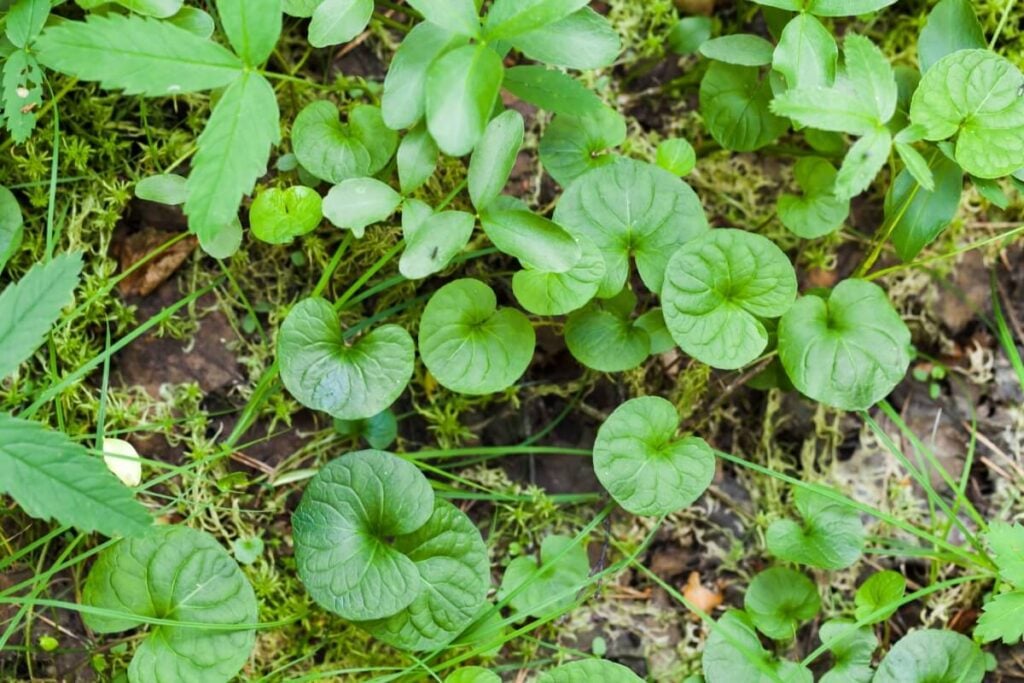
933 656
818 212
642 463
355 203
590 671
851 649
574 144
830 537
279 216
334 151
779 599
348 380
734 653
181 574
603 335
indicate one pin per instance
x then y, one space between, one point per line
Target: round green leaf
848 351
718 287
451 559
641 462
404 98
346 531
739 48
689 34
279 216
338 21
733 652
434 242
779 599
163 189
551 586
830 537
417 159
818 212
852 649
544 293
590 671
472 674
630 208
493 158
933 656
572 145
11 226
975 95
462 88
603 336
734 103
334 151
469 344
358 202
881 591
536 241
676 156
348 380
180 574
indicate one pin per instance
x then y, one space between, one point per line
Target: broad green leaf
551 585
818 212
604 337
806 55
193 20
494 156
918 216
417 159
831 109
881 590
551 90
829 8
347 530
1007 545
676 156
404 100
25 20
358 202
335 151
510 18
589 671
642 463
653 322
536 241
380 431
830 536
572 145
325 370
733 653
52 477
848 351
338 21
462 89
169 189
12 226
456 16
689 34
545 293
778 600
734 102
161 9
252 27
974 94
224 241
870 76
1002 618
952 25
992 191
139 56
31 306
865 159
22 94
233 151
632 209
278 216
718 287
180 574
851 648
743 49
582 40
469 344
472 674
932 656
451 559
434 243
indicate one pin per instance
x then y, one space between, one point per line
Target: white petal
122 459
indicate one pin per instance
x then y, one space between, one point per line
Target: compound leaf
865 159
1007 544
1002 618
589 671
278 216
869 75
582 40
574 144
934 656
734 102
778 600
22 94
550 586
830 537
252 27
461 91
334 151
25 20
493 158
818 212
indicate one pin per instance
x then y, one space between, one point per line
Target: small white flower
122 459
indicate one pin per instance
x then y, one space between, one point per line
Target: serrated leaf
252 27
551 90
461 91
851 648
589 671
1002 618
551 584
494 156
832 109
22 94
830 536
734 102
25 20
870 76
338 21
778 600
510 18
743 49
881 590
404 100
604 337
952 25
934 656
456 16
433 244
806 55
915 165
918 216
355 203
582 40
572 145
544 293
818 212
335 151
1007 544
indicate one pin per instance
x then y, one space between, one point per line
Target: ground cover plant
512 340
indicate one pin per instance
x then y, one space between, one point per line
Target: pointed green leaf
462 89
358 202
865 159
551 90
1007 544
952 25
252 27
818 212
536 241
551 585
1002 618
338 21
832 109
494 156
916 165
806 55
918 216
169 189
404 100
582 40
830 535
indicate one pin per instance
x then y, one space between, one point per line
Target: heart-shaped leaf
630 208
279 216
818 212
358 202
779 599
550 586
881 590
590 671
934 656
603 336
180 574
734 652
536 241
493 158
379 431
574 144
544 293
462 88
734 103
432 243
830 537
848 351
641 462
334 151
469 344
719 286
324 371
404 99
851 648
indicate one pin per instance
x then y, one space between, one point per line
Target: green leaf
358 202
545 293
193 20
1002 618
472 674
865 159
743 49
974 94
952 25
829 8
719 285
469 344
326 371
915 165
224 241
881 590
632 209
830 537
851 648
433 243
870 76
830 109
818 212
734 102
992 191
451 559
417 159
1007 545
551 586
572 145
494 156
653 322
934 656
536 241
462 89
52 477
602 335
918 216
30 307
12 227
778 600
733 652
551 90
676 156
300 8
346 531
25 21
457 16
338 21
644 466
582 40
689 34
380 431
334 151
160 9
169 189
180 574
510 18
589 671
137 55
404 100
848 351
806 55
279 216
252 27
22 94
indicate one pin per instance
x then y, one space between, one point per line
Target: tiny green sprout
48 643
247 550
